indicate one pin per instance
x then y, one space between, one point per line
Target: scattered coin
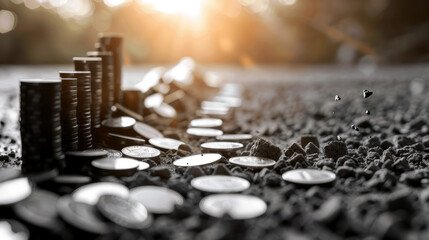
234 137
204 132
157 200
166 143
366 93
146 131
91 193
252 161
222 146
125 212
197 160
206 123
110 152
237 206
141 152
143 166
82 216
115 166
220 184
15 190
337 98
119 122
309 176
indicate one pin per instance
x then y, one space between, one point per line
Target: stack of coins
107 82
113 43
69 123
84 100
40 125
93 64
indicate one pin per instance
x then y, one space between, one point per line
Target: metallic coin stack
84 100
69 123
40 124
107 82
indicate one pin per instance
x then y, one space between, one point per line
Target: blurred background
245 32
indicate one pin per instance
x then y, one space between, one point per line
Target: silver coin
230 101
141 152
206 123
166 143
115 164
158 200
90 193
204 132
221 146
235 137
110 152
15 190
166 111
143 166
252 161
214 105
214 112
309 176
197 160
220 184
146 131
120 122
238 206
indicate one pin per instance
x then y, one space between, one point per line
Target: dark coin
222 146
72 180
8 173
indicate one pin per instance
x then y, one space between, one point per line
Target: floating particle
355 128
367 112
337 98
366 93
339 138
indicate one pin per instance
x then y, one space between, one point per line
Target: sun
189 8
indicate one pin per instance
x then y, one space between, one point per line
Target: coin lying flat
120 122
143 166
91 193
82 216
125 212
115 166
309 176
252 161
204 132
166 143
220 184
238 206
206 123
221 146
141 152
197 160
109 152
13 191
146 131
8 173
235 137
157 200
165 110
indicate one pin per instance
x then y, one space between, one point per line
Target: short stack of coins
84 101
69 122
107 82
93 64
40 112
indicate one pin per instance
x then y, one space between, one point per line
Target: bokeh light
7 21
190 8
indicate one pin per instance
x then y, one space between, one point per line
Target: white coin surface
197 160
220 184
309 176
252 161
146 131
15 190
206 123
158 200
141 152
204 132
230 101
92 192
115 164
143 166
222 146
166 143
234 137
238 206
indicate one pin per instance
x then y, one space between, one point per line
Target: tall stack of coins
40 124
107 82
84 100
113 43
69 123
93 64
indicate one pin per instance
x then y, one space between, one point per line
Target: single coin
39 209
110 152
214 105
91 193
11 229
166 143
252 161
230 101
154 100
221 146
165 110
234 137
204 132
206 123
82 216
220 184
157 200
141 152
143 166
125 212
197 160
309 176
14 190
147 131
119 122
115 166
238 206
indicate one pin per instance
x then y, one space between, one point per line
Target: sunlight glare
189 8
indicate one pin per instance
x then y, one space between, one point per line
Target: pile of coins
69 121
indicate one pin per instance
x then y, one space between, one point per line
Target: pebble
297 158
345 172
372 142
402 141
311 149
162 172
294 148
272 180
335 149
306 139
264 148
